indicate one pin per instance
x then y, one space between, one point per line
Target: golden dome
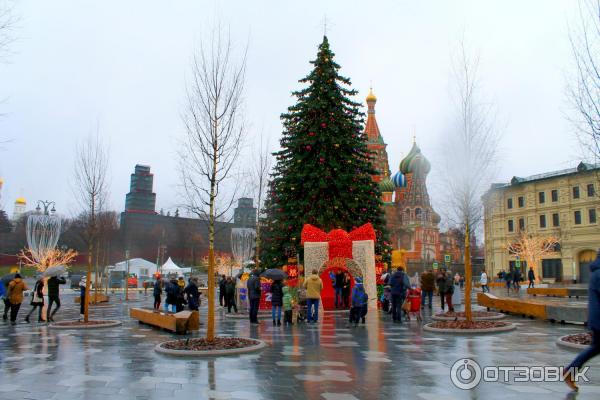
371 97
21 200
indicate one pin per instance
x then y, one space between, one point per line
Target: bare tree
584 90
90 187
469 155
533 248
213 139
7 25
261 168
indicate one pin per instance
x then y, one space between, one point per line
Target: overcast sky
122 66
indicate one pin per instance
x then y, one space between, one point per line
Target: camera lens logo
465 373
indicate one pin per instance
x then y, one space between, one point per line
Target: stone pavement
328 361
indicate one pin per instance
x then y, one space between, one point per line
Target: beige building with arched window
563 203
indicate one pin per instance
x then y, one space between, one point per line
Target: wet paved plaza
327 361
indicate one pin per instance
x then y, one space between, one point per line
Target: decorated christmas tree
323 170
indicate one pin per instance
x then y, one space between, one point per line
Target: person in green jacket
287 306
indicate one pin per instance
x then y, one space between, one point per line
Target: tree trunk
468 274
88 281
210 328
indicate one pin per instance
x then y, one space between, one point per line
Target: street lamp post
46 204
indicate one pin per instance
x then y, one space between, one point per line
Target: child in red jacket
414 299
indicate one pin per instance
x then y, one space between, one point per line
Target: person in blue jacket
593 324
360 300
399 283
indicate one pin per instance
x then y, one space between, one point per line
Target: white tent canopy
137 266
170 267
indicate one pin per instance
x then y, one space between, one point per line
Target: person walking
254 295
276 302
516 280
54 283
427 286
531 277
16 287
287 306
593 323
508 277
37 300
230 295
483 280
192 294
346 290
399 284
4 296
360 301
157 292
339 289
82 284
440 280
222 291
313 286
449 291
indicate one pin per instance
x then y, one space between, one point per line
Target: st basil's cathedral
412 223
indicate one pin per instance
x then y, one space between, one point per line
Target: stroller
300 310
413 298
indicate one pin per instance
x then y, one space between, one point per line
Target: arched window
417 212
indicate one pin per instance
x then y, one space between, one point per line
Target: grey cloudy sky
121 65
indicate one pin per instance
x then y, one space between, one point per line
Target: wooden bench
180 322
530 308
558 292
94 298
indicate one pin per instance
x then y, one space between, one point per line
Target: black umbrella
7 278
274 274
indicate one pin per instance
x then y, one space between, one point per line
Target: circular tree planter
92 324
577 341
199 347
477 316
464 327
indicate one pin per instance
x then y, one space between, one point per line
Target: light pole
46 204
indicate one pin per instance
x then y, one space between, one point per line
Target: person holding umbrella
37 300
54 296
276 301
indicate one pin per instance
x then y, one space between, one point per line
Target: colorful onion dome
386 185
20 200
415 162
371 97
399 180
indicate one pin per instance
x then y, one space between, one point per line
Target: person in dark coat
156 292
440 280
399 284
222 291
427 286
192 294
449 290
172 299
254 294
531 277
276 302
53 296
346 290
339 289
230 295
37 300
593 323
508 278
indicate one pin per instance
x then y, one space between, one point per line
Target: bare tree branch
214 133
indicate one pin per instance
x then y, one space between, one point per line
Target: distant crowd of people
178 294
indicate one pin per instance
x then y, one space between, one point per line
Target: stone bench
558 292
180 323
567 313
530 308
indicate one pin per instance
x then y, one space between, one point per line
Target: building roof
516 180
20 200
